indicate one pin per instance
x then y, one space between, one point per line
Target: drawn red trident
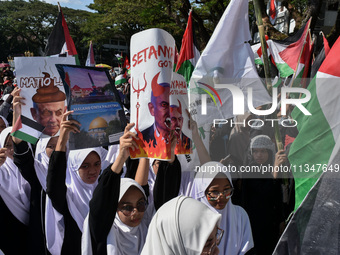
138 93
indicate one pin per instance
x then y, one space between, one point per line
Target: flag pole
260 26
278 139
266 69
59 7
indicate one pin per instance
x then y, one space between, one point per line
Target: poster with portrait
96 105
152 57
45 98
178 114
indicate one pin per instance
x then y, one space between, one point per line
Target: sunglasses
128 209
214 195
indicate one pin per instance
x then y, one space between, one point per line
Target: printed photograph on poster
45 98
178 115
96 105
152 56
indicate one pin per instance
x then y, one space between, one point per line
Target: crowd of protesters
100 201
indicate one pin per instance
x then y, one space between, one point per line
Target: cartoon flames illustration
181 148
147 149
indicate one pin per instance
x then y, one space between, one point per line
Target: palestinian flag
60 41
314 227
189 54
27 130
286 53
90 56
318 132
120 79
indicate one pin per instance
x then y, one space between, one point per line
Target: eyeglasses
128 209
214 195
219 235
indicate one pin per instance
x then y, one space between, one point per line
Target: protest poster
96 105
152 57
45 99
178 115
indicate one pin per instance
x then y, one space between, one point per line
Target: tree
130 17
25 26
299 10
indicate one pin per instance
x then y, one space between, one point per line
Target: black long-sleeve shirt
56 190
24 160
104 202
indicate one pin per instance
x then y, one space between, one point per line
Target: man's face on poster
159 108
176 121
49 115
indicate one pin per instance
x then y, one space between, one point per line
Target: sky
74 4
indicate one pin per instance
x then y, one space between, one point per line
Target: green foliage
26 25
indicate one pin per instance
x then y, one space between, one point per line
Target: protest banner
44 95
178 115
152 57
96 105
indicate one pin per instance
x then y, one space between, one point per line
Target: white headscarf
122 239
41 161
80 193
14 189
125 240
180 226
237 237
54 221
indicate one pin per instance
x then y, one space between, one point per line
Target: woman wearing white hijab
14 200
119 215
214 188
34 170
70 185
183 226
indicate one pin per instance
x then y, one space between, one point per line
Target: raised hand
126 142
192 124
18 101
66 127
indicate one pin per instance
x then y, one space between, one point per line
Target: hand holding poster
45 97
96 105
152 53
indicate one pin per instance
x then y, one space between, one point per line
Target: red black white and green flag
290 54
189 53
60 41
27 130
315 162
319 131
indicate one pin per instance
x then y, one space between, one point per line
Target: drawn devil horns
158 89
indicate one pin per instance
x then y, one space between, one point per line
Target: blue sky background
74 4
